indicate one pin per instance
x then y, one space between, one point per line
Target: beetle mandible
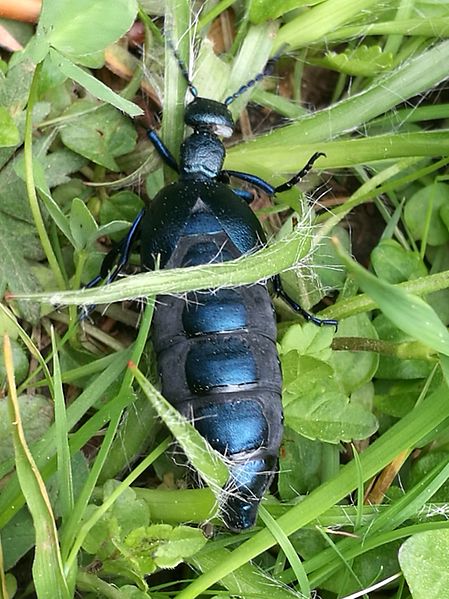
216 350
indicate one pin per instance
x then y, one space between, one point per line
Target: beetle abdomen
216 353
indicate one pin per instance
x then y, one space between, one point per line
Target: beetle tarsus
280 292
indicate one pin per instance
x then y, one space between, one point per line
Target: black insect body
216 349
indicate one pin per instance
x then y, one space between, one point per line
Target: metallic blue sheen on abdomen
221 311
235 427
217 362
216 352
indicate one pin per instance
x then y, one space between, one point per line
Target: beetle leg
162 150
244 194
279 291
121 251
267 187
248 178
302 173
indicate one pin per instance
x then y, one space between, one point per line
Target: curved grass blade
262 264
408 312
290 553
48 576
206 460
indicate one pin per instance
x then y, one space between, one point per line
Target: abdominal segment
216 353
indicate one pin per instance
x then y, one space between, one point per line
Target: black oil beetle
216 349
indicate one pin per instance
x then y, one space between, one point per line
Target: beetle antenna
182 67
252 82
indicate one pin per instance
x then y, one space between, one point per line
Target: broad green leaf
329 416
9 134
130 511
354 369
93 85
421 467
10 584
393 367
301 373
8 325
168 546
18 241
123 205
444 214
316 407
116 228
101 135
366 568
74 188
48 169
364 396
20 371
394 264
296 449
362 61
85 27
309 339
61 163
35 51
50 76
58 217
423 560
439 258
129 591
127 513
14 88
425 203
315 404
408 312
99 536
82 224
17 538
397 398
37 415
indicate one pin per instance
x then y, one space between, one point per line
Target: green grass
367 401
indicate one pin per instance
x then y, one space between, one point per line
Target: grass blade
408 312
207 461
65 482
288 549
48 575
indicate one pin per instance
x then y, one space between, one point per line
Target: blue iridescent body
216 348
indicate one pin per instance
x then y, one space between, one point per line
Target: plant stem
406 351
30 185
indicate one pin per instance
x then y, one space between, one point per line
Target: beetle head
203 113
